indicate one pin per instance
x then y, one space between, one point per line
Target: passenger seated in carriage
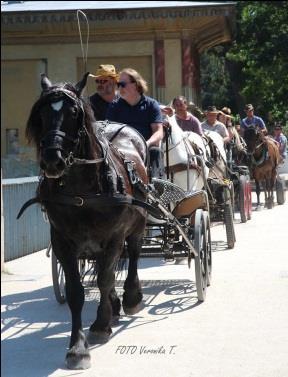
186 120
141 112
236 146
281 140
105 79
212 124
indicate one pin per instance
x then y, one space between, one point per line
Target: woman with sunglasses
106 84
139 111
135 108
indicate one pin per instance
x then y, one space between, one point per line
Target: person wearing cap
252 120
185 119
139 111
106 88
212 124
281 141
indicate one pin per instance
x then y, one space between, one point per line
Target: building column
2 229
196 75
159 54
190 71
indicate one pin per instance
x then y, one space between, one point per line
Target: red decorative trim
159 53
186 62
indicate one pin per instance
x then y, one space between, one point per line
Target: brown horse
263 159
88 189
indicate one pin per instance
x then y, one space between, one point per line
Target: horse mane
33 127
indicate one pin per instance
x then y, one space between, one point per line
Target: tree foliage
257 62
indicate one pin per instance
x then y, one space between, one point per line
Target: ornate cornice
115 15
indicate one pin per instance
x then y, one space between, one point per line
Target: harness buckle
70 159
79 201
131 171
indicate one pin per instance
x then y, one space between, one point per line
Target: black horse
87 188
263 159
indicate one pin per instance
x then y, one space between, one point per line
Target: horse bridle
256 146
75 142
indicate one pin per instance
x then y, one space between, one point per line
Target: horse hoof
115 320
134 310
97 337
78 361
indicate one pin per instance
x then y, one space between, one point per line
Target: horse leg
100 330
78 356
116 306
258 190
266 188
270 184
132 296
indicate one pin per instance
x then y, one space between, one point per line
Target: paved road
240 330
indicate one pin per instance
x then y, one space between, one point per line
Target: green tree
257 62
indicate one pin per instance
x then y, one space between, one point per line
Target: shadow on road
36 328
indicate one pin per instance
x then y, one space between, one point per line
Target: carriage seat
187 206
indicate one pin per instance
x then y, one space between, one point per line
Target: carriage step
157 253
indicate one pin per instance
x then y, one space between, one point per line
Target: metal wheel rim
201 265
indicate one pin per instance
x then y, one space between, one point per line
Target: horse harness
116 190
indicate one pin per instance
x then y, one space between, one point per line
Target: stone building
161 39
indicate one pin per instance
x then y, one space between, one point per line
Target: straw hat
212 109
106 70
226 111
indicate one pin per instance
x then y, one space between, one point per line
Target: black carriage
239 174
220 190
220 193
180 228
242 190
280 190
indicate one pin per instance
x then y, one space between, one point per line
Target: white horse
187 156
190 155
218 157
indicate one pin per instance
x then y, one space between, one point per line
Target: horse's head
57 124
251 137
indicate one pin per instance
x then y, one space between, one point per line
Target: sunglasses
123 84
101 81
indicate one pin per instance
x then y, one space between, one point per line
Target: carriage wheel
228 219
58 279
280 191
249 198
200 245
208 247
243 199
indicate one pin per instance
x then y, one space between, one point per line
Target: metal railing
30 233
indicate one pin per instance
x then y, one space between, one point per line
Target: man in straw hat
252 120
106 79
212 124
